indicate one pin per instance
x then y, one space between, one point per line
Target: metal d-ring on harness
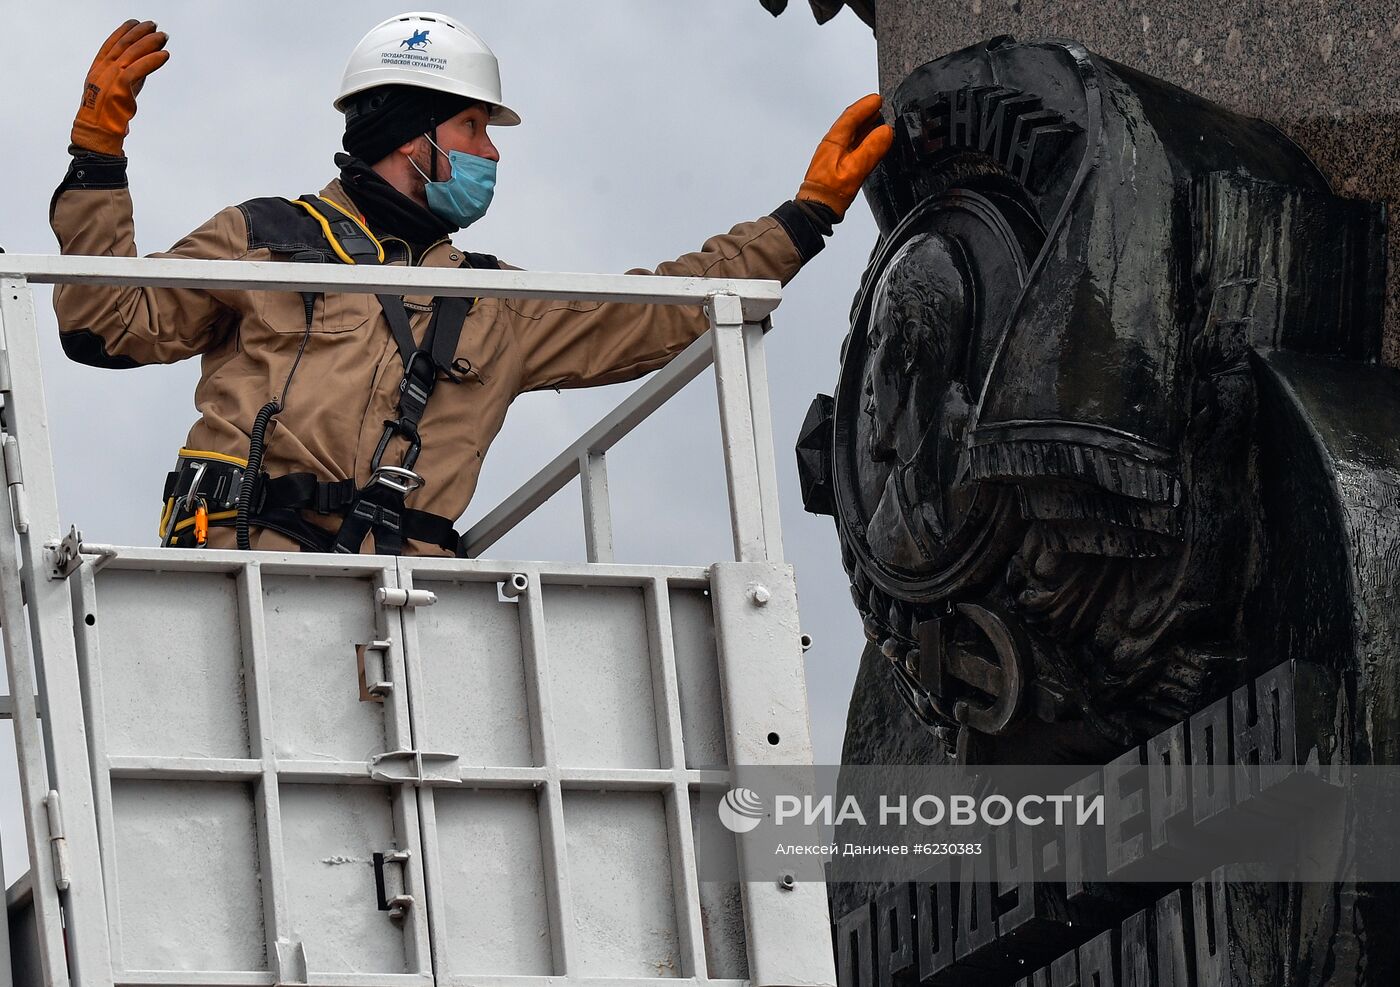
378 507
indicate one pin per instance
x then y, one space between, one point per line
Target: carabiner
392 428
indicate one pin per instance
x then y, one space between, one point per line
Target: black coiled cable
252 476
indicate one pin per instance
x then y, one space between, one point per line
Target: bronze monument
1110 442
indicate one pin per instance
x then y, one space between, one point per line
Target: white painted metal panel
330 834
473 668
492 873
533 755
590 851
721 902
601 677
312 628
235 755
186 876
624 909
174 686
697 671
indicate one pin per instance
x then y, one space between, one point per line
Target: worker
350 422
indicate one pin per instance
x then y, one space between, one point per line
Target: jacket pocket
285 312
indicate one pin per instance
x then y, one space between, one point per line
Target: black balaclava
381 119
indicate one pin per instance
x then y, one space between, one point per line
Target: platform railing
738 312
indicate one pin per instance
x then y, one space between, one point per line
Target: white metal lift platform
251 768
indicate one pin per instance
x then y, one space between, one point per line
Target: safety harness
208 488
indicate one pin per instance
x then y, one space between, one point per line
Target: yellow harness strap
334 240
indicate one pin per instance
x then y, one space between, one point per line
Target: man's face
464 132
884 385
887 373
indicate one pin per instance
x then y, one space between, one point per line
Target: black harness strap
303 490
397 316
288 522
282 499
378 507
446 329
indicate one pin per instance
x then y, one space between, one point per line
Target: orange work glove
847 154
133 52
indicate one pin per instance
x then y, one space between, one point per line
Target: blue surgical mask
466 195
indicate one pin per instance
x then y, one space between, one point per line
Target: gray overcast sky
648 126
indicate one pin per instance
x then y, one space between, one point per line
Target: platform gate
264 768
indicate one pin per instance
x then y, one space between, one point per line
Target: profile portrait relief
916 406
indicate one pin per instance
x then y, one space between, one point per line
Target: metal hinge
410 767
390 886
394 597
58 843
14 478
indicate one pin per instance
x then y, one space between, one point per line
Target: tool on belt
230 491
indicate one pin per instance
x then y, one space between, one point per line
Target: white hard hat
432 51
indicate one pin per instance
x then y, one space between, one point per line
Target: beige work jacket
346 386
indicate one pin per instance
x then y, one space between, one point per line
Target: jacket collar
387 211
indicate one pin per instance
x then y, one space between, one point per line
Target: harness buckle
411 371
399 478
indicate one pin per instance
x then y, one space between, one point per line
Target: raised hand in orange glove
133 51
847 154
